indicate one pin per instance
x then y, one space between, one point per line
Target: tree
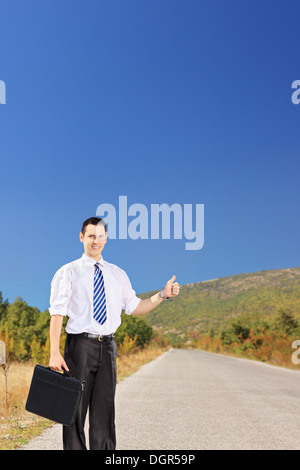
36 351
236 333
133 327
240 330
285 321
3 310
26 325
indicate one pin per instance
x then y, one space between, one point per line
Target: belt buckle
99 339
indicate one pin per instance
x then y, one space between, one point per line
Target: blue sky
165 101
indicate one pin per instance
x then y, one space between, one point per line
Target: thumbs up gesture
171 289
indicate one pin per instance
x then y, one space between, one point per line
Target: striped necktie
99 296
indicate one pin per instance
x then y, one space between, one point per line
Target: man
92 293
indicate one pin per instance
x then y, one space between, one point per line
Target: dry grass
17 426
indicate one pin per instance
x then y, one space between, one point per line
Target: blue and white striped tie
99 296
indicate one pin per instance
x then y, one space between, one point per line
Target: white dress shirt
72 290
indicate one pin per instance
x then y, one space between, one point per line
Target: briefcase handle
64 372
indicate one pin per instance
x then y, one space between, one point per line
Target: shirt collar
91 261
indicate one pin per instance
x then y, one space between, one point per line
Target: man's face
93 240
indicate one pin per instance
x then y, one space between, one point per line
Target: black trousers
94 362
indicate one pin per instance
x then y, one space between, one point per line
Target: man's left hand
171 289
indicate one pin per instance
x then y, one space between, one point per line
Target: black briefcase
54 396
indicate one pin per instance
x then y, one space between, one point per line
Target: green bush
133 327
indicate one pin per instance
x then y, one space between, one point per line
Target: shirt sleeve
61 289
129 299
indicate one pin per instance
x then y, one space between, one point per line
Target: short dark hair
93 221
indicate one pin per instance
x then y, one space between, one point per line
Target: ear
81 237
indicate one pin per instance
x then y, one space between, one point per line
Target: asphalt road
190 399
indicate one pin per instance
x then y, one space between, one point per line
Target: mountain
253 297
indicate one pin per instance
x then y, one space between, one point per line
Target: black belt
98 337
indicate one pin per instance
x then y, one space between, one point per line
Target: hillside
201 307
255 297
